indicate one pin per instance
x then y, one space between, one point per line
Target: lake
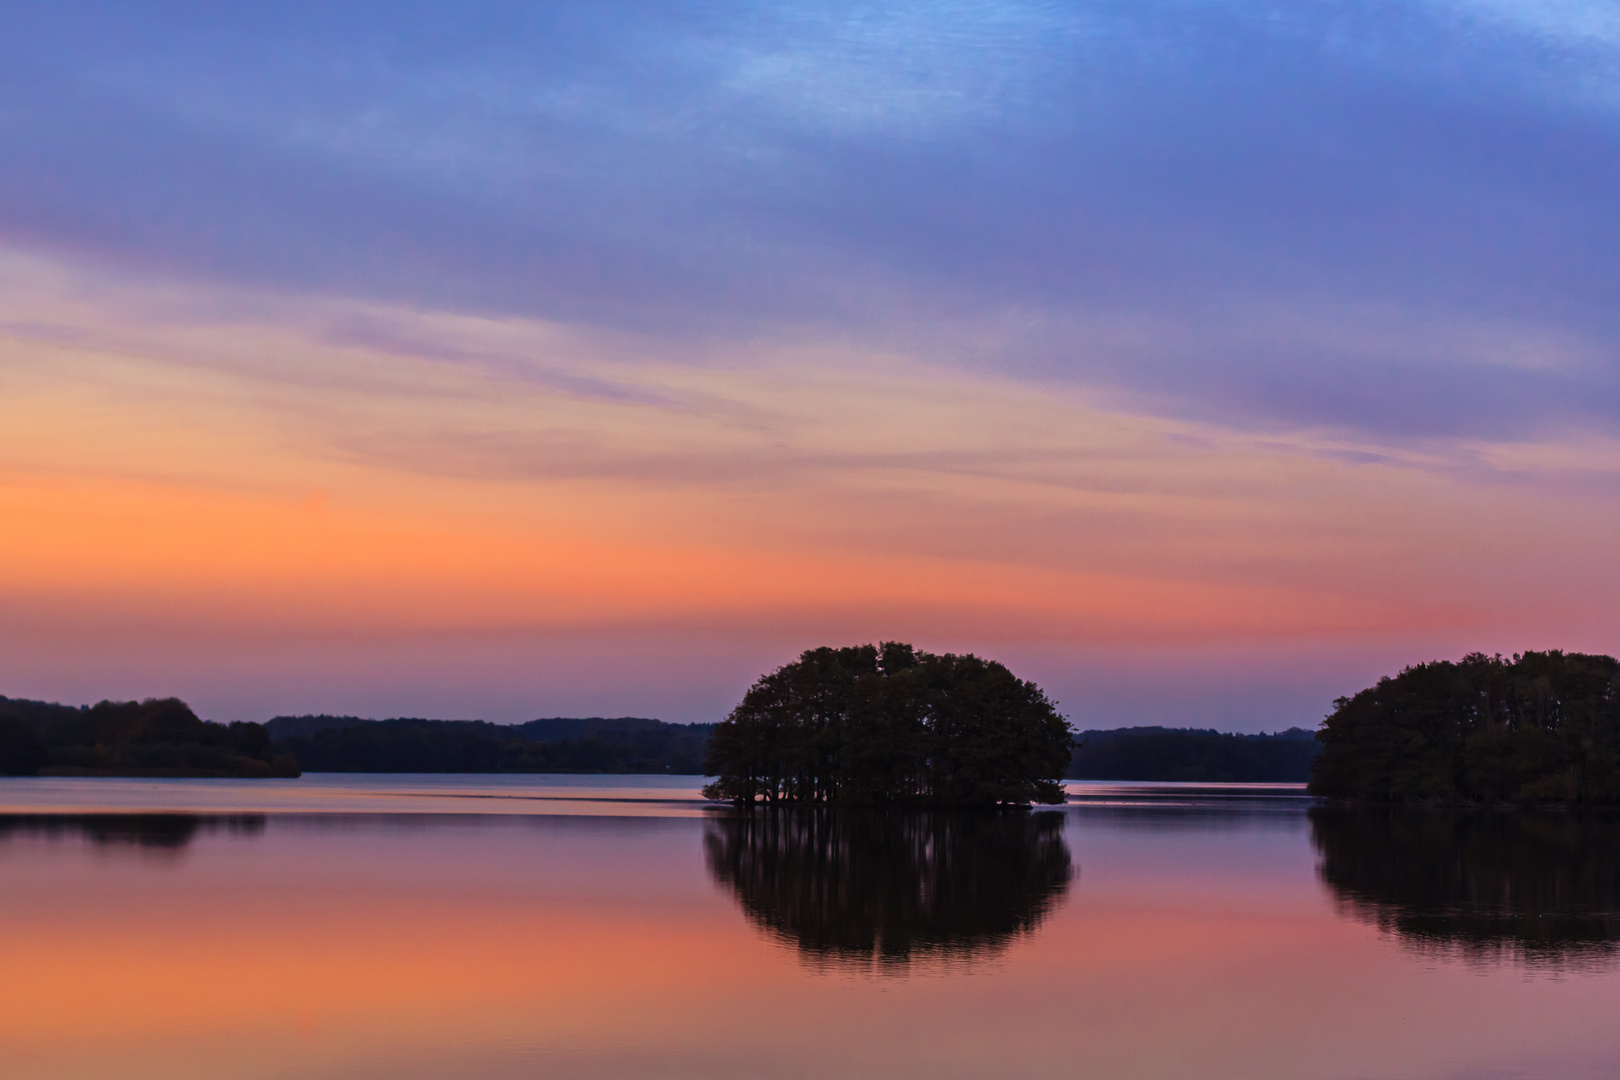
606 927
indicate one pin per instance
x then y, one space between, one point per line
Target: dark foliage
593 745
1172 754
157 737
1542 888
1542 727
283 728
888 887
890 725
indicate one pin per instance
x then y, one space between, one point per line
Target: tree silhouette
890 725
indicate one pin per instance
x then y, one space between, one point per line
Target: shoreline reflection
159 831
1541 890
883 890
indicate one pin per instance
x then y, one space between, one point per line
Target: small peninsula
1541 727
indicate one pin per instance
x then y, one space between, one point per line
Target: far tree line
92 742
166 738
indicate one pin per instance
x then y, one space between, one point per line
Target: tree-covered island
1542 727
889 725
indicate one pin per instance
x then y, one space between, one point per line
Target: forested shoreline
1191 755
163 737
556 745
157 737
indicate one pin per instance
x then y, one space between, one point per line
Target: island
889 725
1539 727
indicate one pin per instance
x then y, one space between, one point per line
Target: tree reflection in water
885 889
161 831
1539 889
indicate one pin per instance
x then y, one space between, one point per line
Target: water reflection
1539 889
887 889
160 831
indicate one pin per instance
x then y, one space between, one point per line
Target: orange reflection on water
486 947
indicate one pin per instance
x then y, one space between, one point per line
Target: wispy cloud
910 177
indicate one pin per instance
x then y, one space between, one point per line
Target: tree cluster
871 725
1541 727
157 737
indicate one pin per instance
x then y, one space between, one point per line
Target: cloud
1003 187
1592 22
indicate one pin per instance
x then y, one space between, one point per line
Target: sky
1200 360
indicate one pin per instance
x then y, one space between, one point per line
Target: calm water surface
345 926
